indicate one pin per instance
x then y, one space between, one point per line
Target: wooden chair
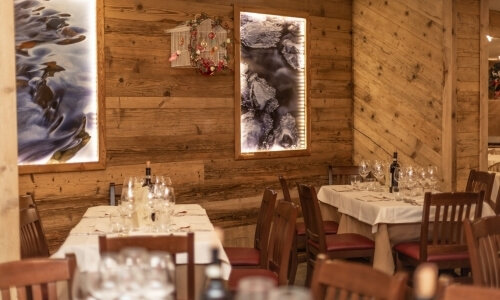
248 257
172 244
115 193
468 292
482 181
32 235
336 279
280 245
299 243
494 167
345 245
442 238
36 278
26 201
483 240
341 174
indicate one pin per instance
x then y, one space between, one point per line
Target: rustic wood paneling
410 65
9 204
184 122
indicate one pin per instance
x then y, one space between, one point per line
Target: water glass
116 223
397 194
370 184
355 180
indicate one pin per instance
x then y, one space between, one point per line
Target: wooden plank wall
9 205
468 99
398 79
184 122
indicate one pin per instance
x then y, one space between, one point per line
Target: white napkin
100 211
342 188
373 198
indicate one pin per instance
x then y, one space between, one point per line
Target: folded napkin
373 198
342 188
100 211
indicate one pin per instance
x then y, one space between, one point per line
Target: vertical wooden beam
449 153
484 17
9 189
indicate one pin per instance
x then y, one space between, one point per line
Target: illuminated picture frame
271 83
60 94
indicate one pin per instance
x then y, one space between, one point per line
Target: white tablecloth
378 217
83 238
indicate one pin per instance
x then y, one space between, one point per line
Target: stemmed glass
432 176
378 170
422 179
411 180
364 168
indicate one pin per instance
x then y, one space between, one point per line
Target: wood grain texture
9 203
416 71
184 122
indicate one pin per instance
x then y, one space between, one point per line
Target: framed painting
60 103
271 83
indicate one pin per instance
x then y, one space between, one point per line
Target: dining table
378 216
83 242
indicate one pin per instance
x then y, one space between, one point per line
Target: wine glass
411 180
432 176
378 170
160 276
104 284
364 168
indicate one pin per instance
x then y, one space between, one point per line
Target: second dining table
377 216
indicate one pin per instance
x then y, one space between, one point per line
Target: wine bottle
215 287
147 179
393 182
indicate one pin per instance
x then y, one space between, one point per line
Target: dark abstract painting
272 82
56 77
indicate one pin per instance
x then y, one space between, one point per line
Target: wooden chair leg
294 263
310 269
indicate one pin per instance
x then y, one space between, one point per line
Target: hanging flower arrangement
494 80
208 45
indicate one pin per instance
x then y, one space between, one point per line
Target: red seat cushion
346 241
237 274
412 249
330 227
243 256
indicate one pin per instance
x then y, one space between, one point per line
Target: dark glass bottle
147 179
215 287
394 165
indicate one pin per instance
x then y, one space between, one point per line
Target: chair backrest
115 193
341 174
36 278
312 215
494 167
26 201
281 240
337 279
442 221
285 189
263 226
172 244
467 292
32 235
483 239
482 181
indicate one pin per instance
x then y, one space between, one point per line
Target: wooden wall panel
184 122
397 84
398 71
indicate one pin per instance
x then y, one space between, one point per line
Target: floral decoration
494 80
196 47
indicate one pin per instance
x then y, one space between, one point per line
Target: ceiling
494 45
